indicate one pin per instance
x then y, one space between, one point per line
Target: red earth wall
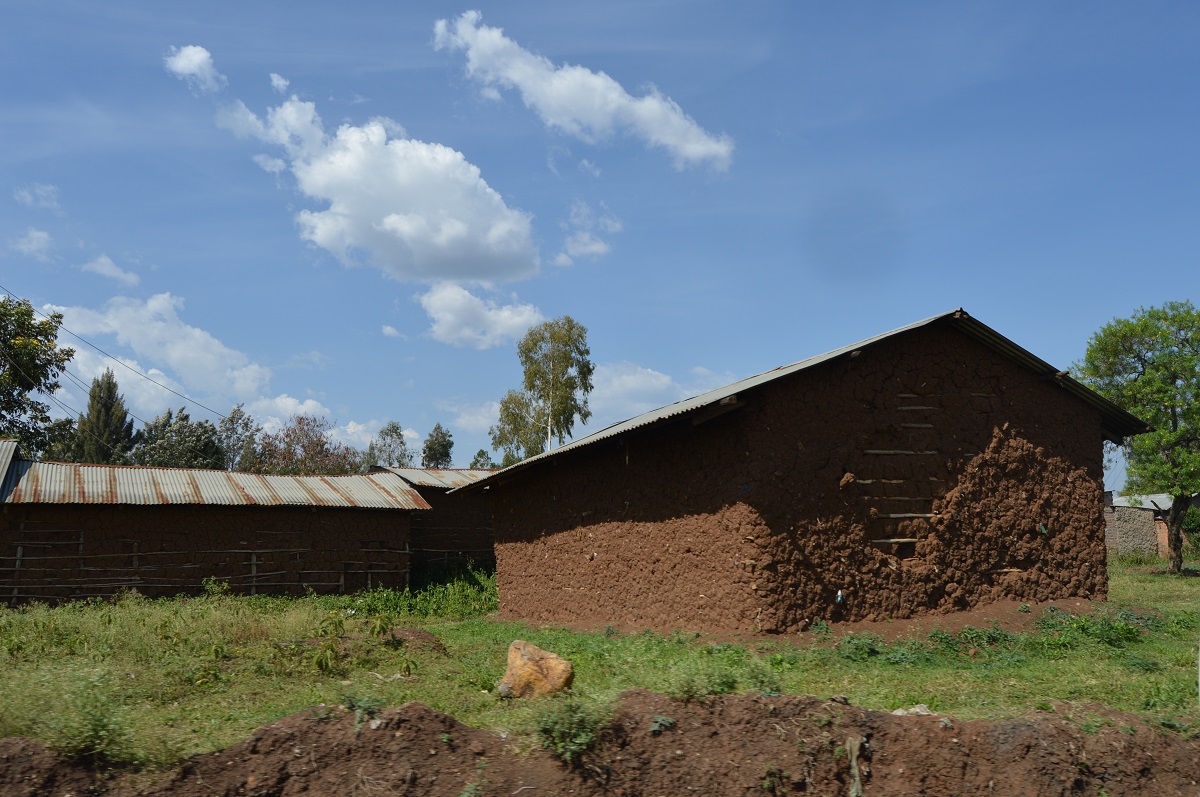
797 505
56 552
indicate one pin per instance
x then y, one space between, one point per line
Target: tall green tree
555 360
1149 365
105 433
30 363
174 440
390 448
482 460
237 434
304 447
436 453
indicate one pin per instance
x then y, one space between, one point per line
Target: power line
115 359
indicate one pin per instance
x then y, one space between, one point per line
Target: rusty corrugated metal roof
8 452
28 482
1116 423
448 478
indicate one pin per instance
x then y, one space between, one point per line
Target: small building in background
457 531
929 469
1137 524
70 530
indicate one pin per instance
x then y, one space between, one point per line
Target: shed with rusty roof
71 530
928 469
457 531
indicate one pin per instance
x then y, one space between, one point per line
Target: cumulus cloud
37 195
390 331
105 267
624 390
34 243
153 330
475 418
412 209
462 319
272 412
582 240
578 101
143 397
194 65
279 83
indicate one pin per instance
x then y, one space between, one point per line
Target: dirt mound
742 744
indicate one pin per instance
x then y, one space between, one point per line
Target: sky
355 210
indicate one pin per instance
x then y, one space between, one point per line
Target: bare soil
731 745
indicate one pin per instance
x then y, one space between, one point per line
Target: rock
919 710
533 671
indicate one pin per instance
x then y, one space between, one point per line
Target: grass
138 682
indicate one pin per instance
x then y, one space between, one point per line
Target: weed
92 728
568 728
661 724
860 647
326 658
820 627
215 587
1024 608
775 781
364 708
476 789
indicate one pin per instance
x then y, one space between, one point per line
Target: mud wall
55 552
922 474
457 531
1129 530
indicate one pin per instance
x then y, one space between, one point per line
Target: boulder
533 671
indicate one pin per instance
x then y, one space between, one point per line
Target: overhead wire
117 360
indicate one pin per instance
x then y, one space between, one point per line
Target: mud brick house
74 531
457 531
928 469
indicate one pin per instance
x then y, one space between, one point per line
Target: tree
174 440
105 433
554 356
30 363
304 447
237 434
436 451
1149 365
482 460
389 448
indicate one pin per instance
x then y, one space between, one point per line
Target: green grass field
145 682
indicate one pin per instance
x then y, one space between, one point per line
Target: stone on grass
533 671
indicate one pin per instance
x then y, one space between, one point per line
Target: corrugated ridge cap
448 478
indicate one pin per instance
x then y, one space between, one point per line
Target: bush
92 727
569 728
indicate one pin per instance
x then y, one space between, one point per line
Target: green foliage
438 448
568 727
660 724
174 440
92 726
483 461
390 448
860 647
364 708
237 434
1149 365
105 433
557 369
30 363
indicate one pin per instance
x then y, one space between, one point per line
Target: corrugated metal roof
28 482
448 478
1158 502
1116 422
8 452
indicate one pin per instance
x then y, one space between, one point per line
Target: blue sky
355 209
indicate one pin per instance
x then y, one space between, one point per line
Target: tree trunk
1179 508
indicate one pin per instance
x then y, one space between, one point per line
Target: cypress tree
105 434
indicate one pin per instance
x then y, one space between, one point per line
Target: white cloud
624 390
475 418
35 243
37 195
462 319
105 267
194 65
279 83
582 103
271 165
589 167
412 209
273 412
153 330
390 331
143 398
582 240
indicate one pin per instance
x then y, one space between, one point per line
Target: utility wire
114 359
